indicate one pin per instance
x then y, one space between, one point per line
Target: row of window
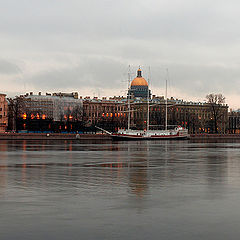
104 109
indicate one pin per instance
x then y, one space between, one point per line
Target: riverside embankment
214 136
72 136
52 136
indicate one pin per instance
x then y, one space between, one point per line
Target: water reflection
38 162
166 161
127 189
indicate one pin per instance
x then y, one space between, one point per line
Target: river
119 190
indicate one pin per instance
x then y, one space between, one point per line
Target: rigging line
128 97
169 84
148 96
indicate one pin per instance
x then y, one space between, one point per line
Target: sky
87 46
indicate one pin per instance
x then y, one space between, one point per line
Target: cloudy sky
86 46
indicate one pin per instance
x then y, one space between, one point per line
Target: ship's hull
128 137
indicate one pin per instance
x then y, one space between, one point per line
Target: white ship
176 133
129 134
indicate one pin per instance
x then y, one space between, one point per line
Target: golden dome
139 80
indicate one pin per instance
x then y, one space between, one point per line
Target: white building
57 108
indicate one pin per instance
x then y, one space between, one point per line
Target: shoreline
53 136
205 136
72 136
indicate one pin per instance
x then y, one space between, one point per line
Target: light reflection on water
120 190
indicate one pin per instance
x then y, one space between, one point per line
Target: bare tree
77 113
16 106
216 102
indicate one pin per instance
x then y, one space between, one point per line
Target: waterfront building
43 112
3 113
234 121
56 106
112 114
109 113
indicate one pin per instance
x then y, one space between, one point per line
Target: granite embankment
214 136
52 136
71 136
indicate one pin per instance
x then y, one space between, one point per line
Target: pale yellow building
3 113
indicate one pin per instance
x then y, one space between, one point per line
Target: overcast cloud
86 46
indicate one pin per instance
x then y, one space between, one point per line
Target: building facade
3 113
234 122
50 112
55 113
65 111
56 106
112 114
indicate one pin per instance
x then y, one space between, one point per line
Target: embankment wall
52 136
214 136
70 136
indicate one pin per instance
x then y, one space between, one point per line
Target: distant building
112 114
3 113
64 112
71 95
42 112
109 113
56 106
234 121
139 87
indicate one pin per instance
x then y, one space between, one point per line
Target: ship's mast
129 81
166 113
148 101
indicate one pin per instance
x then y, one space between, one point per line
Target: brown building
3 113
109 114
234 121
112 114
